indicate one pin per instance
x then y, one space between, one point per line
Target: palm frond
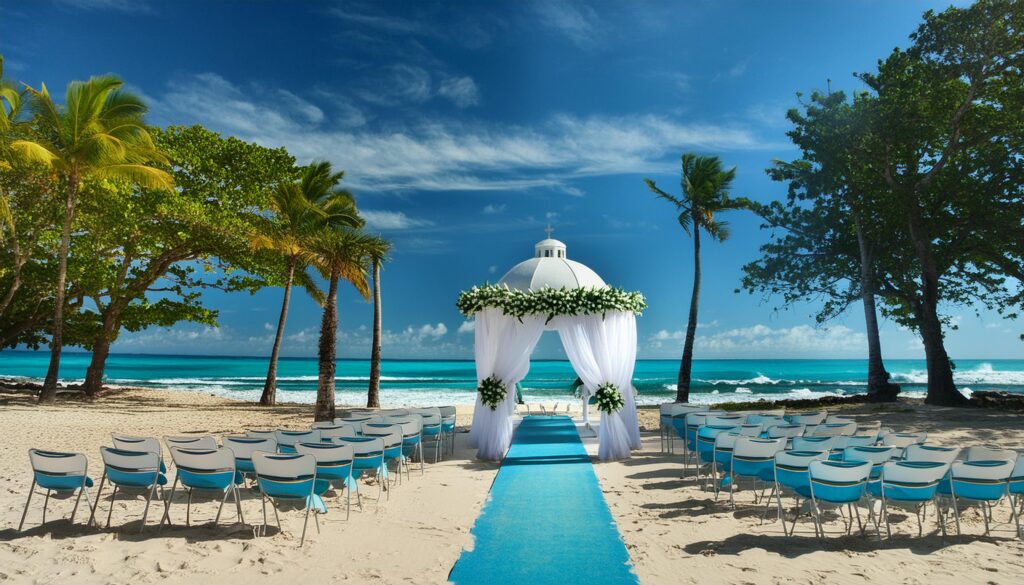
303 279
31 151
142 175
663 195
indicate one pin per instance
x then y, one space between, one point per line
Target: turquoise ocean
426 382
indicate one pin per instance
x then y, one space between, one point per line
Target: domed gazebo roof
549 268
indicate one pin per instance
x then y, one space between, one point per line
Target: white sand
675 533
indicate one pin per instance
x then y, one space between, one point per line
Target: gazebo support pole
586 410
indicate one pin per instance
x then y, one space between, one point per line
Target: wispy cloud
463 91
492 209
391 220
764 341
446 154
578 22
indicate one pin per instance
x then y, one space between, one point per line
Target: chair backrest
244 447
290 438
431 420
932 453
329 433
262 434
844 441
396 412
904 440
982 453
779 412
429 411
750 430
912 480
791 467
752 448
144 444
725 441
201 442
327 454
696 419
680 409
788 431
364 447
285 476
814 443
765 420
875 426
326 424
981 479
446 411
1017 477
835 429
807 418
131 468
838 481
204 468
390 434
725 420
58 470
873 455
835 419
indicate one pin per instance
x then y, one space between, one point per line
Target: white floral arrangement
553 302
609 399
492 391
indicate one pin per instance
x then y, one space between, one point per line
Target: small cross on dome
549 230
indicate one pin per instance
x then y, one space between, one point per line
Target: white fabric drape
602 349
503 346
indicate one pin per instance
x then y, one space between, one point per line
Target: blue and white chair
903 440
242 448
784 431
412 441
290 478
707 437
765 420
60 473
392 436
130 471
836 429
842 442
981 483
807 418
753 458
909 485
286 440
876 456
792 478
1015 488
333 469
262 434
674 424
838 484
448 425
691 422
722 459
330 432
191 442
982 453
926 452
144 444
367 455
725 420
750 429
431 429
204 471
825 444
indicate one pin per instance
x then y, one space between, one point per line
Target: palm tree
98 132
10 109
339 254
705 186
373 392
300 208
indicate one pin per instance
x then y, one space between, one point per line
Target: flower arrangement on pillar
492 391
609 399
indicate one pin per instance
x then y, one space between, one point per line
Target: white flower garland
492 391
553 302
609 399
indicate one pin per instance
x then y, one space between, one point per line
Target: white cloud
576 21
492 269
463 91
413 334
399 84
738 69
391 220
467 327
761 340
450 154
551 216
302 107
492 209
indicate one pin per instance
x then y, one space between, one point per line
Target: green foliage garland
492 391
553 302
609 399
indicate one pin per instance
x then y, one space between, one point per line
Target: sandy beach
675 533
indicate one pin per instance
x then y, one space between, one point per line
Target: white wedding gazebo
596 324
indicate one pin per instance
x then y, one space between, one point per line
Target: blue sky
465 127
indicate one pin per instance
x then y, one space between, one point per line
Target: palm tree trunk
880 389
328 348
373 393
686 364
269 397
941 388
49 391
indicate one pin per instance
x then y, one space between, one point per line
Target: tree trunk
880 389
941 388
49 391
269 397
328 347
94 375
373 392
19 262
686 364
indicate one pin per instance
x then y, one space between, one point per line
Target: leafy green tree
705 193
98 132
378 257
155 252
830 226
300 209
338 254
947 136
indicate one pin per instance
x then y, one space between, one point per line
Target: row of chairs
284 465
556 409
798 452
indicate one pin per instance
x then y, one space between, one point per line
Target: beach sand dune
675 532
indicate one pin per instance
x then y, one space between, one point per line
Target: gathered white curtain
602 349
503 346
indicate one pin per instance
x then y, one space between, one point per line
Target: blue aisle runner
546 520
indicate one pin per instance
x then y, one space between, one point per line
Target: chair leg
1016 517
188 509
956 515
238 504
985 512
145 512
167 507
27 502
305 522
113 496
419 445
263 497
78 499
216 519
99 492
88 499
46 504
348 502
818 527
